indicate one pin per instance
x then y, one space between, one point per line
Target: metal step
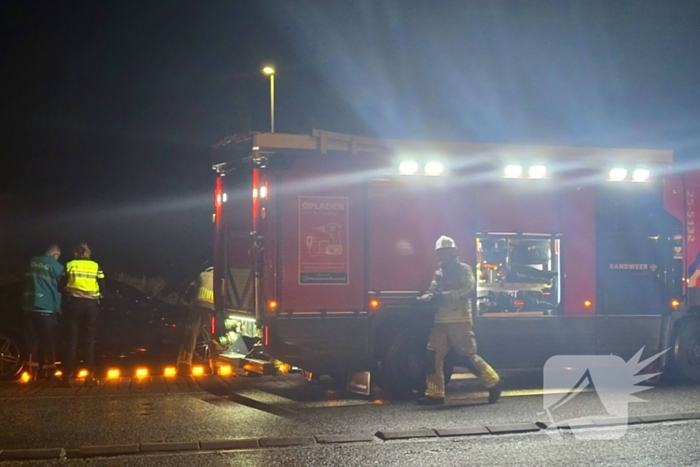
252 365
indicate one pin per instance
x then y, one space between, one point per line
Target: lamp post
270 71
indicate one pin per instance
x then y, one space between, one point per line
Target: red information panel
323 240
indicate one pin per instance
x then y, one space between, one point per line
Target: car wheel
10 356
687 350
402 368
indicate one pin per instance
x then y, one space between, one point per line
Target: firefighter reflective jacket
454 285
41 287
83 276
205 290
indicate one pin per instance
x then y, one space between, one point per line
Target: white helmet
444 242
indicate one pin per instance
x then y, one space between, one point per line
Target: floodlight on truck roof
408 168
617 174
640 175
537 171
434 168
513 171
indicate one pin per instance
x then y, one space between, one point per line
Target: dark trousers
80 315
40 335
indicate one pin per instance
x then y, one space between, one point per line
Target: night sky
109 109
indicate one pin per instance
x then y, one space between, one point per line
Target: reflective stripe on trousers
460 338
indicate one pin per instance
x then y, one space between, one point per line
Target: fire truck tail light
272 305
675 303
587 303
266 336
434 168
513 171
374 304
255 192
640 175
408 168
537 171
618 174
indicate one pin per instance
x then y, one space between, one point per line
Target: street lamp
269 71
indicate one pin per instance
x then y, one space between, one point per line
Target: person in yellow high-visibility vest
85 284
201 310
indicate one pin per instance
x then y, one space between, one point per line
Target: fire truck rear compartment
556 269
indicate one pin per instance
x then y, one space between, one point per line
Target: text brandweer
630 266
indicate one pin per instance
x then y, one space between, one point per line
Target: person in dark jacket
41 303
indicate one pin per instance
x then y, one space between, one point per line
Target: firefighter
451 290
41 303
84 290
199 315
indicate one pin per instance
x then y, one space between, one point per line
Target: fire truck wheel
402 366
10 356
687 350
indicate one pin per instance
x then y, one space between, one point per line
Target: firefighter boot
183 369
495 393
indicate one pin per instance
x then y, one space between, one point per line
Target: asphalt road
213 408
668 444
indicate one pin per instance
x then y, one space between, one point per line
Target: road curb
408 434
513 428
170 447
617 421
109 450
284 442
634 420
229 444
346 438
31 454
384 435
462 431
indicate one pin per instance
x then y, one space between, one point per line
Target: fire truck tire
10 356
686 357
402 365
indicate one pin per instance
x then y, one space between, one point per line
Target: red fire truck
326 241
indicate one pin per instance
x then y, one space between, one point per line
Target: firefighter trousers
460 338
197 318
